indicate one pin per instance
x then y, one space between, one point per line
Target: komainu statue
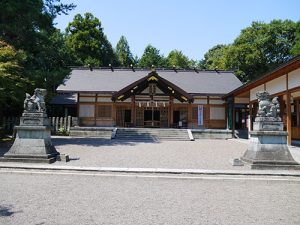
267 108
36 102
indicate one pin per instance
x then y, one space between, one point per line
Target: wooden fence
59 125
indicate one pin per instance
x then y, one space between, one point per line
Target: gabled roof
284 68
138 86
104 80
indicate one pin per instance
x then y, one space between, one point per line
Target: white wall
253 92
216 102
294 79
86 99
217 113
277 85
240 100
200 101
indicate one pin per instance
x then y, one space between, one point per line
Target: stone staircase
153 134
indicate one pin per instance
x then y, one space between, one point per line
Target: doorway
151 118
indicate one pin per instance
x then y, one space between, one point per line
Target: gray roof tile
105 80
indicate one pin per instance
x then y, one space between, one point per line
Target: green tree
22 23
296 48
87 42
123 53
12 83
214 58
151 56
178 59
27 26
258 49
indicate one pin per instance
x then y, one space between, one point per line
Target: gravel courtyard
210 154
199 154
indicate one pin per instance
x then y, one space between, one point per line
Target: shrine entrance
151 118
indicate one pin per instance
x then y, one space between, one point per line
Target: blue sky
193 26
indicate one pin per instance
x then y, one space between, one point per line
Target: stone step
152 134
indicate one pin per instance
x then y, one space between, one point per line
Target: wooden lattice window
104 111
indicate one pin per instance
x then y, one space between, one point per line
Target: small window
104 111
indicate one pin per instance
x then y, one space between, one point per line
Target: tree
12 83
22 22
214 58
296 48
123 53
178 59
87 41
27 27
151 56
258 49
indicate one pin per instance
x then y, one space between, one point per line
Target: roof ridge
148 69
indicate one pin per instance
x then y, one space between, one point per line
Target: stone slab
267 126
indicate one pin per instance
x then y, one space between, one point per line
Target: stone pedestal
268 147
33 140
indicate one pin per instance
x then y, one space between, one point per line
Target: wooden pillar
133 113
250 116
288 118
288 112
208 113
95 110
171 111
189 114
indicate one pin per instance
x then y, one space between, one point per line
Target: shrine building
150 98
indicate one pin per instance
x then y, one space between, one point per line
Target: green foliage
27 27
12 83
151 56
296 48
178 59
214 58
258 49
87 42
123 53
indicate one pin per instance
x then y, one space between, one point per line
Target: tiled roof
64 99
106 80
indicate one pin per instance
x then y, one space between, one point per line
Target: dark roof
64 99
107 81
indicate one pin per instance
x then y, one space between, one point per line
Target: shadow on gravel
7 211
96 142
4 147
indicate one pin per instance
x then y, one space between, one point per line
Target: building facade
283 82
150 98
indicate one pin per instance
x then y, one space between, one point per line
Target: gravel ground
208 154
199 154
36 199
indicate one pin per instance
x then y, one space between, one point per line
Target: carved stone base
269 149
34 119
32 144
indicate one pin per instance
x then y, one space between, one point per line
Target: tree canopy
31 48
178 59
152 57
123 53
258 49
88 43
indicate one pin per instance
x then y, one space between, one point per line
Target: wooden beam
133 116
288 118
